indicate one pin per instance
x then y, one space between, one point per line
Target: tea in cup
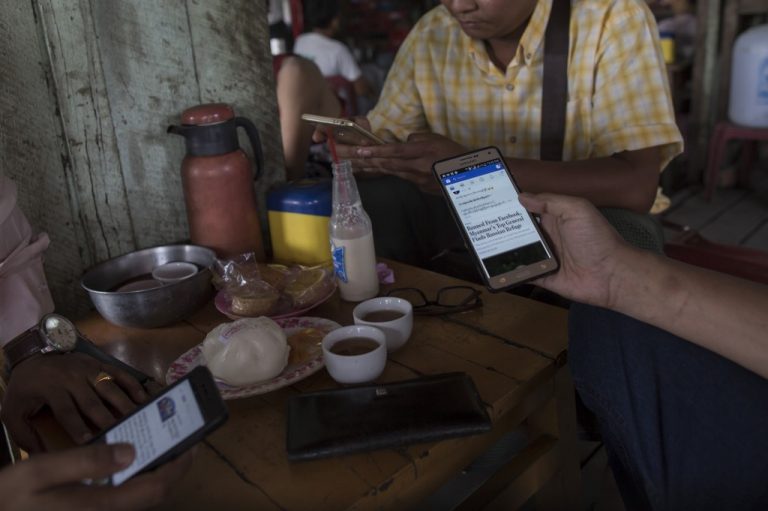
393 316
355 353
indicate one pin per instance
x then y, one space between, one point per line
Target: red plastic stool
725 131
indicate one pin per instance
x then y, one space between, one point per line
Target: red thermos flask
218 180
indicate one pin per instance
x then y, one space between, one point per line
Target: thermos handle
253 136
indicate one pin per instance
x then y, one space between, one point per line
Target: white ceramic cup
397 330
357 368
173 272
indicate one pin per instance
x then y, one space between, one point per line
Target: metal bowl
155 307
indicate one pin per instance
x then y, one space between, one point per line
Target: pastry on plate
246 351
255 300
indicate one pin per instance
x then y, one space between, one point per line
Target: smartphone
168 425
505 240
344 130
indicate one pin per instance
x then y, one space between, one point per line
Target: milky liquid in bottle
351 233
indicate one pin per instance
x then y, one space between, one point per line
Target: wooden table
513 348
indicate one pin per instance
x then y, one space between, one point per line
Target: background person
671 358
301 89
322 18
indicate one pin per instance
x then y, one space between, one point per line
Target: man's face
490 19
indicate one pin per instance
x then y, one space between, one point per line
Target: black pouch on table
365 418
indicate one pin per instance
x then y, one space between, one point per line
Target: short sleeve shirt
331 56
442 81
24 294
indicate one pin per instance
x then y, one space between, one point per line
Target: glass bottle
351 234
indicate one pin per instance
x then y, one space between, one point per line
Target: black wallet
369 417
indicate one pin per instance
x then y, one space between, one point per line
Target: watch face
60 332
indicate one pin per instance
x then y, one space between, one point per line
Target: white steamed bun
246 351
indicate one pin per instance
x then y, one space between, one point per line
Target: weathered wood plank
31 152
89 88
89 142
759 237
234 65
149 71
734 226
697 213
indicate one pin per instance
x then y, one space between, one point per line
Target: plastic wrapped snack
254 290
246 351
308 286
257 289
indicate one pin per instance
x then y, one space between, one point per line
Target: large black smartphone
168 425
505 240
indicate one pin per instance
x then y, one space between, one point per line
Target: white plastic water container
748 103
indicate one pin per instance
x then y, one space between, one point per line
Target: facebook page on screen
498 226
157 428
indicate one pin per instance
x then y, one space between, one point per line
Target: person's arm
54 481
625 180
718 312
294 98
62 382
362 86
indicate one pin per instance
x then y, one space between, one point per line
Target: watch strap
24 346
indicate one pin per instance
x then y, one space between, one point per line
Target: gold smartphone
508 246
344 130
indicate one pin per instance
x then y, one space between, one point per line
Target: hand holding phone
170 424
344 131
505 240
54 477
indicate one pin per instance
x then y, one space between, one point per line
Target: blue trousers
683 427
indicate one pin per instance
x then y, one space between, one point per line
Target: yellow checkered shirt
442 81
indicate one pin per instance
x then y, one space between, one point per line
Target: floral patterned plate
223 303
310 363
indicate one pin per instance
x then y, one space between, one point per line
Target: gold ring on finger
102 376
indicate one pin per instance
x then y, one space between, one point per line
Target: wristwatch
54 333
57 334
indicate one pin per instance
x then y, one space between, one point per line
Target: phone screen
499 228
157 428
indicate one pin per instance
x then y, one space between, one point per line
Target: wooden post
88 90
704 83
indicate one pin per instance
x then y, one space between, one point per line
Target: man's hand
66 383
411 160
589 250
53 481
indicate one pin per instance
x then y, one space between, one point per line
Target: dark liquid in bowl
146 276
382 316
354 346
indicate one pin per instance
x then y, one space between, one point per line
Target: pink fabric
24 293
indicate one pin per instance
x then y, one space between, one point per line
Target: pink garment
24 293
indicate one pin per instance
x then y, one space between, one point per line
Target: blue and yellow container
298 214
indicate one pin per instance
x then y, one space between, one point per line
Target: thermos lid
307 196
210 113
